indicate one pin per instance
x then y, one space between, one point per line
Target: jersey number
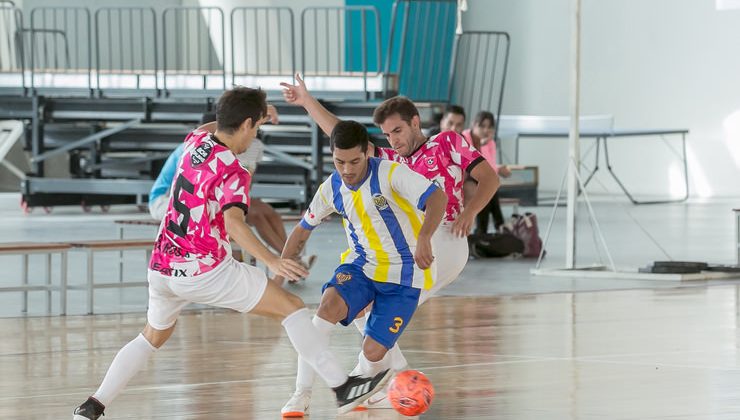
397 322
181 229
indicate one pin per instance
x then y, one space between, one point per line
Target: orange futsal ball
411 393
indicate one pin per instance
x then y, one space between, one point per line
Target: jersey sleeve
321 207
462 152
385 153
164 180
234 190
410 185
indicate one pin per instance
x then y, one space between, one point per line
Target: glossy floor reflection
617 354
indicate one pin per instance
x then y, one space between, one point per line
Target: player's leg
346 294
246 289
274 219
392 310
495 208
164 307
451 255
259 217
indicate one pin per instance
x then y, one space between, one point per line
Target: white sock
398 361
306 375
360 322
313 347
129 360
369 369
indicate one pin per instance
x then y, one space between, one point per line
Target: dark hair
484 115
348 135
238 104
400 105
455 109
207 117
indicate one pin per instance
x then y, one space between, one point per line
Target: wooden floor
606 355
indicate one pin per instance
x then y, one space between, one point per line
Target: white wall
650 63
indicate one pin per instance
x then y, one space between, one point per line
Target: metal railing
11 50
126 43
193 44
328 47
251 53
478 74
73 25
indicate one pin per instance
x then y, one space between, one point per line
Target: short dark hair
348 135
238 104
483 116
454 109
400 105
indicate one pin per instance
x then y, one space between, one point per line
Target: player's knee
373 350
156 337
332 307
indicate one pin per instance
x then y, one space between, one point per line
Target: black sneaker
357 389
91 409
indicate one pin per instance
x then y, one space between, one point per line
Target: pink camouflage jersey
192 239
443 159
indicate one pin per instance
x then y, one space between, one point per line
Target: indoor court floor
500 344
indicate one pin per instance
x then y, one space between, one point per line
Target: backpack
524 227
494 245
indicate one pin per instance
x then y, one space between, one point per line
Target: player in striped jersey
389 215
443 158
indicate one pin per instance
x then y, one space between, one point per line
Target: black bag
493 245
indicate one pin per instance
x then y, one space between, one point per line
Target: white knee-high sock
397 361
312 345
306 374
129 360
370 369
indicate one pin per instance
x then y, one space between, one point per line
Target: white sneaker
297 405
378 401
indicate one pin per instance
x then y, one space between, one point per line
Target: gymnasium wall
650 63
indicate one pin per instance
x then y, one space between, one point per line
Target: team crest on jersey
201 154
343 277
431 161
380 202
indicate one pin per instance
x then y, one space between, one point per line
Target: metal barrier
251 55
11 48
332 28
420 48
71 25
188 51
478 74
126 48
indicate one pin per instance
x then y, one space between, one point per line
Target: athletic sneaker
297 405
91 409
358 389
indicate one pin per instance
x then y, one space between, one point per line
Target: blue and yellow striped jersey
382 217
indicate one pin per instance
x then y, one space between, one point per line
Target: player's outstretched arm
488 183
294 245
240 232
298 95
435 210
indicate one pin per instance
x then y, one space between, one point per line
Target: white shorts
158 207
451 255
231 284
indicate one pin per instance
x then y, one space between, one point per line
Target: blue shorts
393 304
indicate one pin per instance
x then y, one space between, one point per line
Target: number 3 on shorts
397 322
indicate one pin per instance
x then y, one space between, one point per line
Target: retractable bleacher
107 93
